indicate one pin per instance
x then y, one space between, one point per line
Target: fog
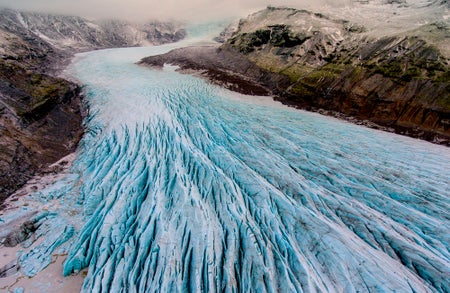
193 10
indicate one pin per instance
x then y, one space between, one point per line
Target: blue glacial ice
180 186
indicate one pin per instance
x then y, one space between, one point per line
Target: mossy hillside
45 95
400 60
391 81
305 78
40 92
443 77
269 59
405 69
296 72
316 80
405 59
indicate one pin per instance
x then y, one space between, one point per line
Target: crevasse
181 186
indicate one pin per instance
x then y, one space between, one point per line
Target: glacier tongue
187 190
183 187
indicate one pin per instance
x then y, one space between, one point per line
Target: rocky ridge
40 114
398 82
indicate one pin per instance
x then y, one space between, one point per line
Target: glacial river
181 186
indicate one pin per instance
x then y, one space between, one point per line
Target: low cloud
193 10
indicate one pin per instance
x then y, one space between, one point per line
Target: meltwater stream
180 186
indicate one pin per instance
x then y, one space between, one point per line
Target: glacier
181 186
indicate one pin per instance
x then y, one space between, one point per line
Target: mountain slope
41 115
399 81
75 33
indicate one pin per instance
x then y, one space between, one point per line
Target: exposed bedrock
40 122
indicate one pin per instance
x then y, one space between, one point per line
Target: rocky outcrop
41 115
40 121
400 82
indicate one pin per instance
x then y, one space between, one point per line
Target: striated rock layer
308 60
41 115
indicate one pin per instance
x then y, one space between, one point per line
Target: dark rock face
41 115
40 122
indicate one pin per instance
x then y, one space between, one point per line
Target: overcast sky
162 9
